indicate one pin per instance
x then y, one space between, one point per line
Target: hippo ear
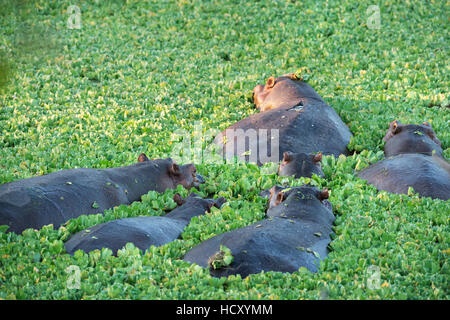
427 124
178 199
288 156
175 169
270 82
317 158
394 128
219 202
280 198
142 157
324 194
272 191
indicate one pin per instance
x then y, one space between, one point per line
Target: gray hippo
428 175
143 232
301 165
295 234
294 118
411 138
59 196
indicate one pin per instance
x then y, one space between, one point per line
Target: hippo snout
198 180
255 95
220 201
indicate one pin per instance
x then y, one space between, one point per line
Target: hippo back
275 244
55 198
143 232
310 128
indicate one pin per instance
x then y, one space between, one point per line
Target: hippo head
306 193
274 92
301 165
195 200
186 175
411 138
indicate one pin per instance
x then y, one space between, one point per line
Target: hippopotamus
285 91
301 165
62 195
429 176
142 231
411 138
295 234
294 118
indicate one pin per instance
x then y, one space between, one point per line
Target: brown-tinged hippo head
301 165
186 175
411 138
286 90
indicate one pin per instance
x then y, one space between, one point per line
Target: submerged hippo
428 175
411 138
301 165
295 235
296 120
143 232
59 196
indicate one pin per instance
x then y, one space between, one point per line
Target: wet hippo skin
59 196
295 234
